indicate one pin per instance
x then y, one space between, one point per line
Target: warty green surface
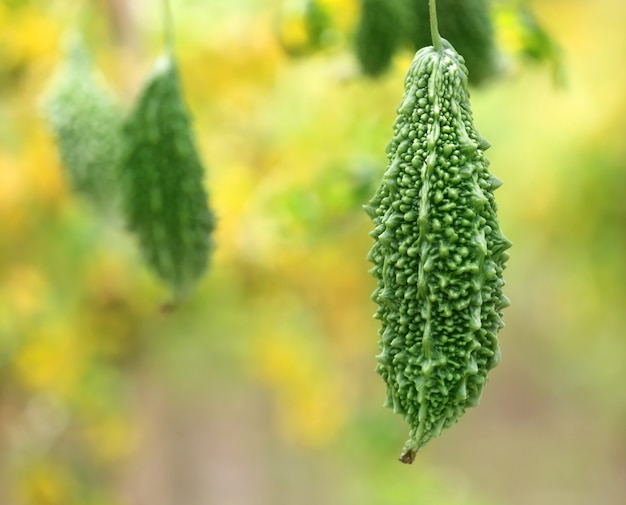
87 125
164 200
438 253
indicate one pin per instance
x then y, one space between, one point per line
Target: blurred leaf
538 44
303 26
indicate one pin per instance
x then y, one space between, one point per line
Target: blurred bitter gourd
87 125
387 25
438 254
467 25
161 177
378 34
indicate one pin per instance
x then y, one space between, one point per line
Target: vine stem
434 27
168 26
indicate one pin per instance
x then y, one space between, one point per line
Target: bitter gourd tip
408 456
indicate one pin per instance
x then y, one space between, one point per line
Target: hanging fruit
438 254
162 183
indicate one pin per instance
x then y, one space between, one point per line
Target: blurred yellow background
261 388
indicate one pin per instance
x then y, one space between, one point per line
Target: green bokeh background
261 388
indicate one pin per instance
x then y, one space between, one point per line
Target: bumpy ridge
438 254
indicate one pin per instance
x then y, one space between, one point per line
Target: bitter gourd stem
434 27
168 26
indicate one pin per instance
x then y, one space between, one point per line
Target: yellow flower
111 438
47 484
310 400
50 360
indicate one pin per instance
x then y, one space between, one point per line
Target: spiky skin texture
438 254
165 203
87 125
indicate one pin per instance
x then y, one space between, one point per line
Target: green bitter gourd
161 175
438 253
87 124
